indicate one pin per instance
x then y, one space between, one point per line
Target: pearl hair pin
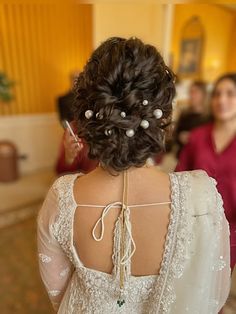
108 132
144 124
150 162
158 113
130 132
99 116
88 114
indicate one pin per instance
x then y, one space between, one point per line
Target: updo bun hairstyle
123 103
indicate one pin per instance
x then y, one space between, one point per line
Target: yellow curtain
41 43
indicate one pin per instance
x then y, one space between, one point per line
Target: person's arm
55 267
72 158
69 158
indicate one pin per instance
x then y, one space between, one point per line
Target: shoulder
201 189
64 182
199 178
192 180
205 197
61 190
198 181
65 203
192 176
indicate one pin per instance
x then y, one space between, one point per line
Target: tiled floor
20 199
21 291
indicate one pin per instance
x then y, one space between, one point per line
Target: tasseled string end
122 266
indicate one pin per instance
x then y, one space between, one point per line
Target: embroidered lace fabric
194 275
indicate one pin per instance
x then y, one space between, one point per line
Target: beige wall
37 136
218 24
125 20
232 49
41 43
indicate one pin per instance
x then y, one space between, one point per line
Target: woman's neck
223 134
228 126
114 174
149 164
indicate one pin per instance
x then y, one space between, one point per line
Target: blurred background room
44 44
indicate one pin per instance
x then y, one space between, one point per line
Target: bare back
149 223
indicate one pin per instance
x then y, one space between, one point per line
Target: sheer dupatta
202 286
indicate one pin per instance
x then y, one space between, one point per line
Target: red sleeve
62 166
158 158
185 162
81 163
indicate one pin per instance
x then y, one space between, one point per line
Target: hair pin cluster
157 113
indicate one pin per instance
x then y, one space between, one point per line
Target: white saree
194 276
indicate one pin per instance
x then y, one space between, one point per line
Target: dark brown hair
200 85
227 76
117 78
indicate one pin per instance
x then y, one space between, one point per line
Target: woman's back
138 241
149 223
175 266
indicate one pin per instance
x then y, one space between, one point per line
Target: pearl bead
123 114
108 132
158 113
130 133
88 114
144 124
145 102
99 116
150 162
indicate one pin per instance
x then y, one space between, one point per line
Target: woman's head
197 96
123 83
224 98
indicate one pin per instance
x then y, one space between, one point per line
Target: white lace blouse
194 276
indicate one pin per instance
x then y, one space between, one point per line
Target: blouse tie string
127 256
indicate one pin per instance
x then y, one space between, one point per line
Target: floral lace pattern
63 225
90 291
176 244
44 258
158 288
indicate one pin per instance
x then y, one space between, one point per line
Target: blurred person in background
129 238
194 116
65 101
212 147
72 156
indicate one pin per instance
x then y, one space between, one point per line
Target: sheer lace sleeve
221 266
55 267
203 255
